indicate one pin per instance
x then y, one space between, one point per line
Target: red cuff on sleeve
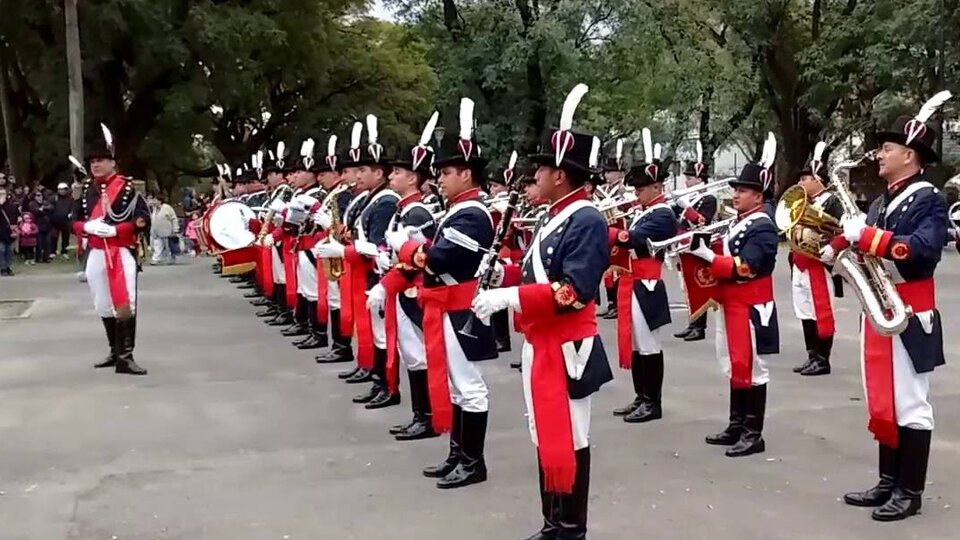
511 275
78 228
875 241
396 281
125 229
535 299
839 243
613 236
722 267
692 215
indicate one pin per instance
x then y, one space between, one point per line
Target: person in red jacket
110 214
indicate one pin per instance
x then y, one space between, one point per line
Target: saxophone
333 268
872 283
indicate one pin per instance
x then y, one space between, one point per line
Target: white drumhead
228 225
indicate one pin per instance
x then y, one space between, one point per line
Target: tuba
333 268
875 289
807 229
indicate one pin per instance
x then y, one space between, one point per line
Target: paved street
236 435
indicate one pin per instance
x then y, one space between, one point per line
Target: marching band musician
696 213
397 295
301 178
747 329
643 307
613 185
361 257
109 216
449 265
349 204
498 186
284 297
812 282
328 291
554 292
906 229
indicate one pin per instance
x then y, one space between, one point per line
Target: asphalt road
237 435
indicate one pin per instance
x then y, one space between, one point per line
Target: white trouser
333 294
98 282
645 341
579 408
410 342
761 375
379 326
306 277
279 276
467 387
803 294
910 389
161 249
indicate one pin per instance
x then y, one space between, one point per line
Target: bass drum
227 226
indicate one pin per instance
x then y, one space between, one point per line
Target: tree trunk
19 161
75 77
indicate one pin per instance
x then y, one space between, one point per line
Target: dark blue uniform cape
378 207
916 214
414 215
576 252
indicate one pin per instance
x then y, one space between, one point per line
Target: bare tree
74 77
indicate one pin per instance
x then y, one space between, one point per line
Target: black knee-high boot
300 319
110 327
422 425
738 412
810 340
636 373
384 397
906 498
472 468
126 341
751 437
455 453
341 351
650 409
878 495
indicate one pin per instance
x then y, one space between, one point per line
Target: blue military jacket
570 247
655 223
916 214
752 242
371 223
411 212
448 262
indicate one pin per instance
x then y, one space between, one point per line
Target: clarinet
486 279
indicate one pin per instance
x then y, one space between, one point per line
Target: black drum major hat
697 168
565 148
420 157
917 133
758 175
464 150
351 158
653 170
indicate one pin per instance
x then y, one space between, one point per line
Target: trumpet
699 191
806 228
681 243
282 193
622 206
870 280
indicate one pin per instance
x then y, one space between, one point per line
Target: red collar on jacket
410 199
578 194
468 195
656 200
753 210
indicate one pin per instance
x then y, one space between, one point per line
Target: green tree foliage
181 82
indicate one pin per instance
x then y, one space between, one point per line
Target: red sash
290 271
436 302
266 274
822 307
116 278
353 299
736 301
547 330
395 283
878 363
645 268
323 303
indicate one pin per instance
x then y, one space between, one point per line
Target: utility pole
74 77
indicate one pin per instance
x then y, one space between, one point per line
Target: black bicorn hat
420 158
568 149
917 133
100 147
373 154
817 166
758 176
615 163
276 159
305 161
653 170
462 150
351 158
697 168
330 161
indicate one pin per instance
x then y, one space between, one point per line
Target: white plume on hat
570 105
926 111
647 145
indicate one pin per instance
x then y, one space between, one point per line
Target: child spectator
28 233
192 233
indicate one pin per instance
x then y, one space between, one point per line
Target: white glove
827 254
376 298
704 252
384 262
323 219
416 235
497 272
493 300
329 250
396 239
99 228
92 226
268 241
366 248
683 202
277 206
853 228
